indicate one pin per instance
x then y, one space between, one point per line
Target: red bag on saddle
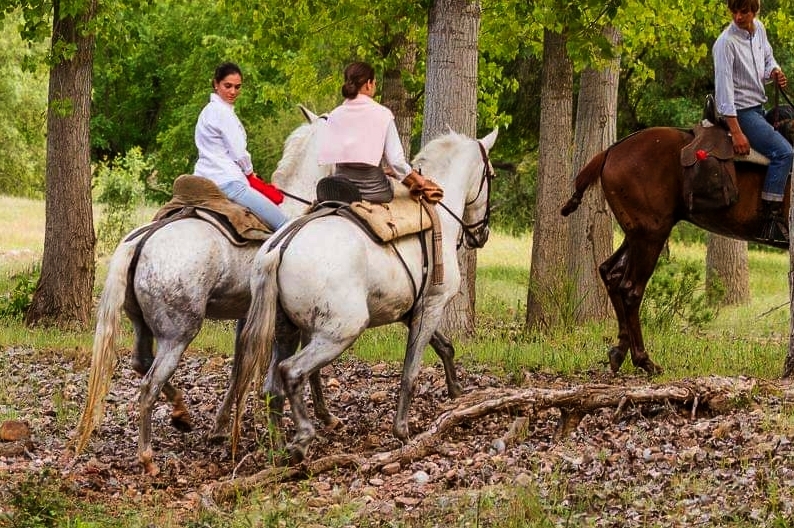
270 191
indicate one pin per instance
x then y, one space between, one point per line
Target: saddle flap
710 139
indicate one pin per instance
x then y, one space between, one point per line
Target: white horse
331 282
185 272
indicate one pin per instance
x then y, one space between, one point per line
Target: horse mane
294 150
435 156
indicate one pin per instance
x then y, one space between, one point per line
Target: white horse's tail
104 358
256 339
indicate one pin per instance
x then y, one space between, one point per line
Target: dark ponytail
356 75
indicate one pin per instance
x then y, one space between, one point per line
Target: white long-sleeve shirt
222 144
743 62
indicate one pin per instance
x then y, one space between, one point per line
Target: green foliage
23 91
676 295
119 186
513 197
14 303
687 233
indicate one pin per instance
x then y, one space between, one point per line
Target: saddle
198 197
709 174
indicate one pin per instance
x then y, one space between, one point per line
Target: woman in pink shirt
360 134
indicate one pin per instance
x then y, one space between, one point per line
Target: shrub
119 186
676 293
14 303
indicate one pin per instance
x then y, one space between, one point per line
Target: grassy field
748 340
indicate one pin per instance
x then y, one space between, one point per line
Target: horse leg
142 359
640 263
220 429
168 354
285 346
444 349
419 335
294 371
612 271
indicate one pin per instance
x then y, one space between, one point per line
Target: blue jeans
766 140
245 195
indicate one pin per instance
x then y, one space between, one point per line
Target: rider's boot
775 225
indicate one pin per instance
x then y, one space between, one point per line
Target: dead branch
714 393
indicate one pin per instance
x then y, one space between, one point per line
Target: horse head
298 172
466 178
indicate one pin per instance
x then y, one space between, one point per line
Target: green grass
742 340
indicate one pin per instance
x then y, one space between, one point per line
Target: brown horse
642 179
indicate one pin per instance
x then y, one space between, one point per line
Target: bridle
475 235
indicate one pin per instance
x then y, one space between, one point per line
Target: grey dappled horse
333 281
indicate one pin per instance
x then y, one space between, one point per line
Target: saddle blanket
400 217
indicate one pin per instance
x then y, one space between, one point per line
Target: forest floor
651 464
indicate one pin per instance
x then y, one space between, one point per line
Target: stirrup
774 230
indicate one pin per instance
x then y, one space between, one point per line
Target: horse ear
489 140
310 116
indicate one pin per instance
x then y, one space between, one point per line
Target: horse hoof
616 358
651 368
331 423
181 421
296 454
455 390
401 432
217 437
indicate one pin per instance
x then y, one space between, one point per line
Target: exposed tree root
713 395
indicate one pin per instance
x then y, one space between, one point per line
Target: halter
468 230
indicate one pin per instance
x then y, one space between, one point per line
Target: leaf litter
652 464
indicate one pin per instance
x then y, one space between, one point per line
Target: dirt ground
653 464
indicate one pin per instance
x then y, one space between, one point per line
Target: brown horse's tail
586 177
104 358
256 339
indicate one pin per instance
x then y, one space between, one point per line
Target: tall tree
728 269
550 236
590 241
63 293
395 94
451 101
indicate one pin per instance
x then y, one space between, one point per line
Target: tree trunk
590 229
394 95
63 294
451 101
727 269
545 298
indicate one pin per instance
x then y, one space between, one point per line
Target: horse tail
104 358
256 339
586 177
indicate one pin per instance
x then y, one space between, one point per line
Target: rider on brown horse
743 62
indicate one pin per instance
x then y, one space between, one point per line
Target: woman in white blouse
222 148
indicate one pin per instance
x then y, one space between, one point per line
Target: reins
776 109
468 229
297 198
